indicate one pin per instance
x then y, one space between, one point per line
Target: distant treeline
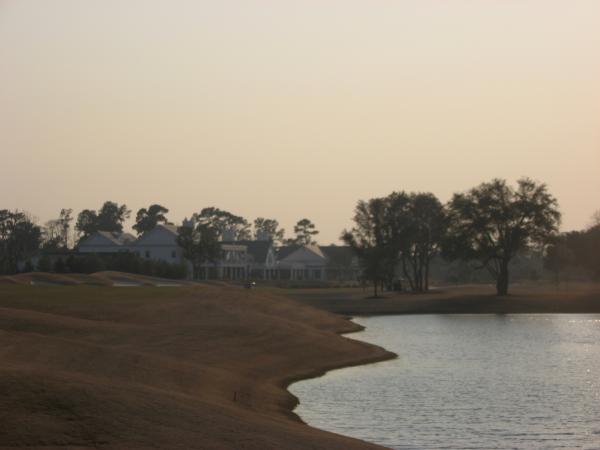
401 240
22 239
403 237
575 254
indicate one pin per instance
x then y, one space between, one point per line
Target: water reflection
467 381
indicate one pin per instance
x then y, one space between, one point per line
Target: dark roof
115 237
257 249
286 250
169 227
338 255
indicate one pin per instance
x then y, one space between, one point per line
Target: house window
317 274
147 253
173 254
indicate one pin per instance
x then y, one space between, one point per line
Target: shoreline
469 299
194 367
88 366
324 370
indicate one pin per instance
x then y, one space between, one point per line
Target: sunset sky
292 109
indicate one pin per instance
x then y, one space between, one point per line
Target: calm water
467 382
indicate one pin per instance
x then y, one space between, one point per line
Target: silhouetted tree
305 230
559 258
270 228
371 240
51 235
223 221
200 245
110 217
418 224
575 252
87 223
56 232
64 223
595 219
20 239
493 221
147 219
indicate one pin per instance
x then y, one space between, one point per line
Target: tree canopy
402 228
493 221
305 231
575 252
56 232
417 224
110 217
200 244
269 228
147 219
20 238
224 223
371 240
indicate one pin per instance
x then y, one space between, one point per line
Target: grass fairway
578 298
163 367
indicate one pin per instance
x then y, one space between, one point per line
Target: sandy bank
188 367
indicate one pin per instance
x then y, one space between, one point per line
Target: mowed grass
463 299
199 366
88 300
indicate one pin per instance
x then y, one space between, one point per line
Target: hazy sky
292 109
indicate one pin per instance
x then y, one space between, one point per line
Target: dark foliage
147 219
492 222
109 218
575 252
20 239
200 244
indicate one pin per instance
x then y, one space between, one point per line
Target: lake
527 381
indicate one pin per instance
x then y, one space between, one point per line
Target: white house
159 244
301 262
261 260
239 260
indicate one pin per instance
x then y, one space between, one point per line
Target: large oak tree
494 221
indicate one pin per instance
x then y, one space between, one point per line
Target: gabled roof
113 237
157 235
338 255
316 250
287 250
257 249
169 227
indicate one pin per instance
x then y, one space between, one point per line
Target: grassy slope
144 367
473 299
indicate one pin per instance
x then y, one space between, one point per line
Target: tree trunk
375 287
426 279
415 267
502 280
406 274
